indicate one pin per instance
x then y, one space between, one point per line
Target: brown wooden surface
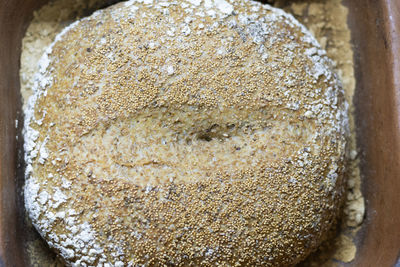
375 29
375 32
14 16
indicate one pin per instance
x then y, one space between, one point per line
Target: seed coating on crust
185 133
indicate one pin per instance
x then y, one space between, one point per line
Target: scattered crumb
346 249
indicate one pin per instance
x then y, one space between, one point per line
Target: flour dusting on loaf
185 133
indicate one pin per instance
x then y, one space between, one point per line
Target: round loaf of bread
185 133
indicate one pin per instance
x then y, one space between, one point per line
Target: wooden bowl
375 26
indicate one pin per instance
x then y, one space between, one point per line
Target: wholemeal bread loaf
187 133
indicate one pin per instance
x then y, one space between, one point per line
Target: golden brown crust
119 85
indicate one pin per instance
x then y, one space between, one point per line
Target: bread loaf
185 133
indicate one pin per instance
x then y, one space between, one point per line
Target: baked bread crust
185 133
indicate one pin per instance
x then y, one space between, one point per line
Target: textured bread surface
187 133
